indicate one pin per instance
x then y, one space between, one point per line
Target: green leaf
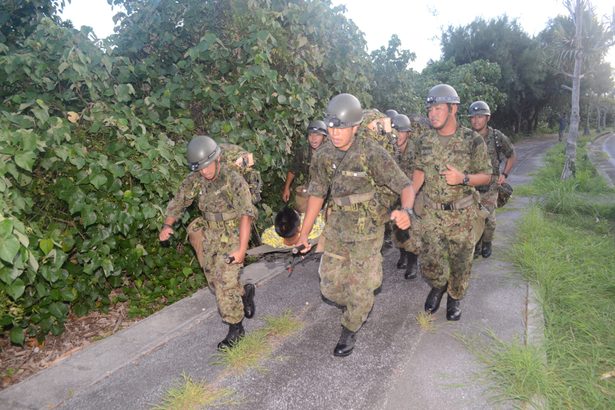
58 310
25 160
46 245
69 294
9 249
98 180
88 216
6 228
16 289
17 336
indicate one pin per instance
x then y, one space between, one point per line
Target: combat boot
432 303
248 300
235 332
345 344
453 309
411 266
486 251
401 262
478 249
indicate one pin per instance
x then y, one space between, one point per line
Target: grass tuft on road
189 395
257 346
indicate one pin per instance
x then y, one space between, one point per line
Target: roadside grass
257 346
566 249
425 321
188 395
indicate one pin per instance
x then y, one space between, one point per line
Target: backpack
383 136
242 161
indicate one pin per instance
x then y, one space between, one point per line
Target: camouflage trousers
350 272
211 241
489 201
448 239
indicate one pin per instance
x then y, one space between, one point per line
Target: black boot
432 303
478 249
235 332
401 262
486 252
248 300
453 309
411 267
346 343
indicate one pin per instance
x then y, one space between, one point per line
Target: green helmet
202 151
318 127
401 122
478 108
391 113
343 111
442 94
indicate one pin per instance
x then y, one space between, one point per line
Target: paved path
395 364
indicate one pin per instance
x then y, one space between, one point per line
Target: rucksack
242 161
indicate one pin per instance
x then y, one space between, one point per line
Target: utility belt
219 216
483 188
350 200
462 203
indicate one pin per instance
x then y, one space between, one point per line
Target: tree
395 85
523 68
589 43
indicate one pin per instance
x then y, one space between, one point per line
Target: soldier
500 148
391 113
406 147
223 197
450 162
349 168
300 162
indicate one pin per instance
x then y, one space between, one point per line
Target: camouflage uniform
499 148
221 202
406 160
300 164
351 267
448 221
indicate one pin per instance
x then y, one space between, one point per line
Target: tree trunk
573 134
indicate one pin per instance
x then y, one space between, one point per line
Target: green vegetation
565 250
258 345
191 395
93 132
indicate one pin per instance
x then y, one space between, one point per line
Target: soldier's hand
306 244
401 218
165 233
238 257
286 194
501 179
452 175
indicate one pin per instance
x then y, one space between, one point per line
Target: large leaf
16 289
58 310
17 336
98 180
46 245
9 248
25 160
6 229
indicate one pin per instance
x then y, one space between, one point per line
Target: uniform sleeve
319 179
480 163
242 200
297 161
507 147
188 191
385 171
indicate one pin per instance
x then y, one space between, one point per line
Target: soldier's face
210 171
402 137
315 139
342 138
439 114
479 122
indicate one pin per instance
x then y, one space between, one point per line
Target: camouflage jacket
500 148
466 151
352 179
225 199
407 158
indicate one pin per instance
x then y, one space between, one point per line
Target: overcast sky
418 23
